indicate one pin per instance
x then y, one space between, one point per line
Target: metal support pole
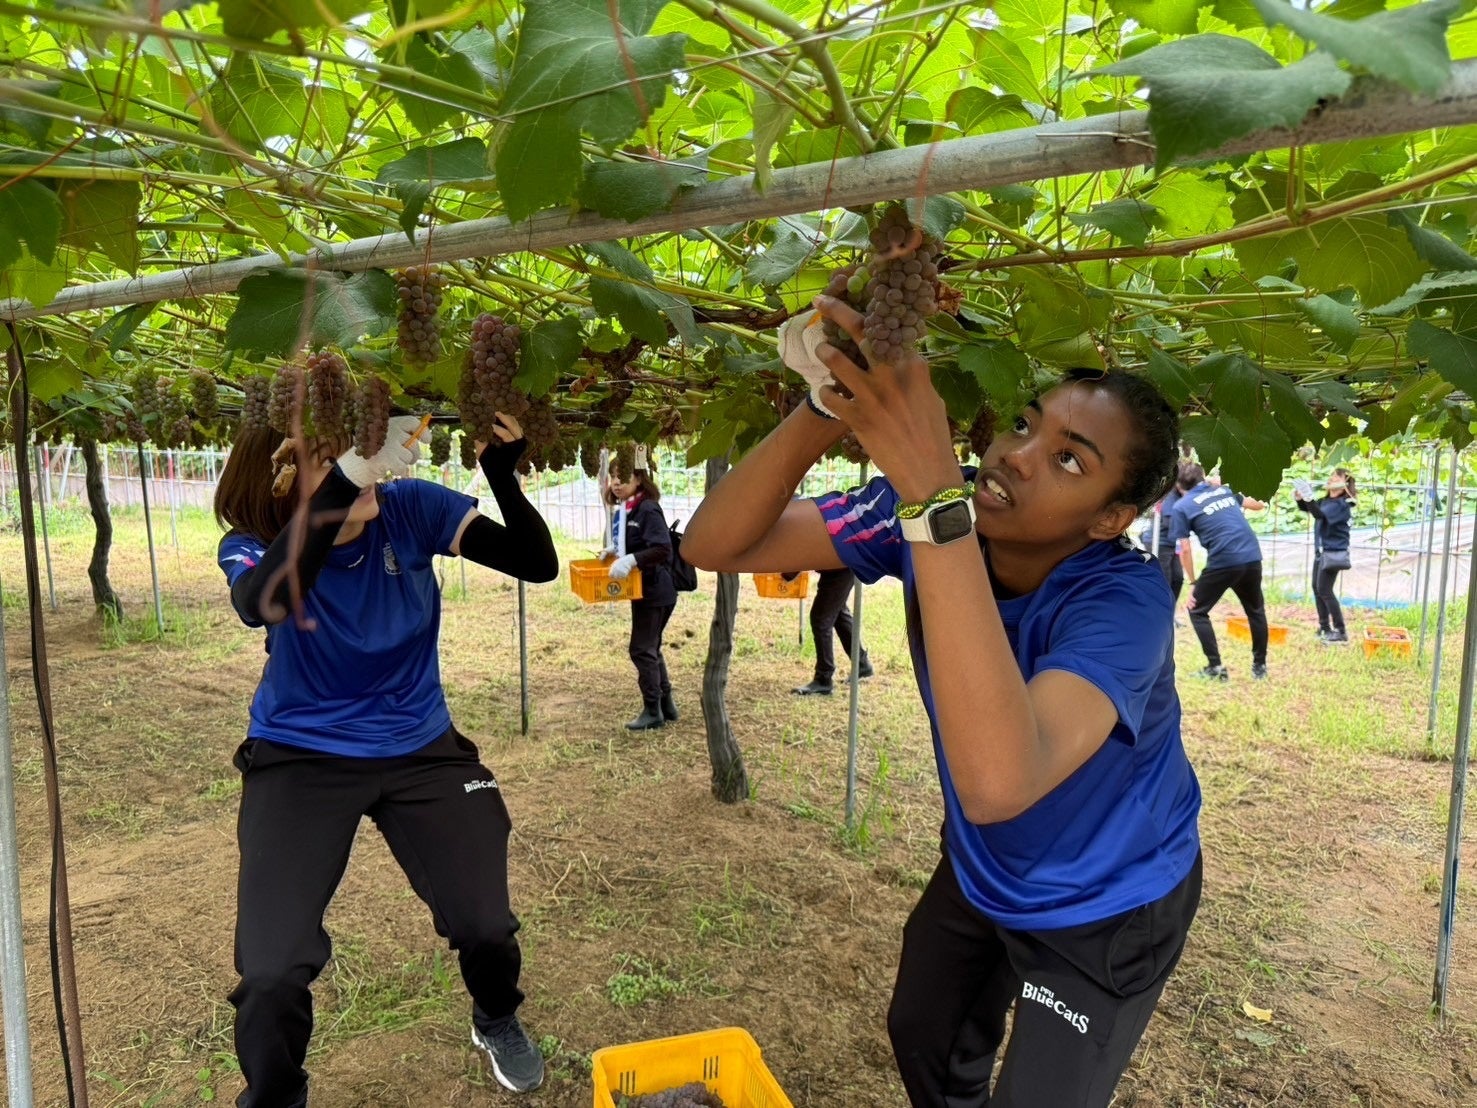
12 952
1441 603
523 651
1457 804
44 476
800 621
171 459
854 710
143 484
1428 542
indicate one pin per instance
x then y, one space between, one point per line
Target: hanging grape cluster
847 284
204 398
439 450
371 422
850 447
328 393
144 395
468 450
590 456
982 429
623 462
175 428
285 404
419 288
692 1095
901 287
486 385
256 392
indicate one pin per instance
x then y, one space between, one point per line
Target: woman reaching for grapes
1043 649
349 720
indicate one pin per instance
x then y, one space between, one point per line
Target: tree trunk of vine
730 781
103 594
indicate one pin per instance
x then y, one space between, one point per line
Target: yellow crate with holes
727 1061
773 586
1239 627
1386 640
590 580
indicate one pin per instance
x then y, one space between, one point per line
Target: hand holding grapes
508 442
894 410
396 457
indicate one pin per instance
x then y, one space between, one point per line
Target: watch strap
914 509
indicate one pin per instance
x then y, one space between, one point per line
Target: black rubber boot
669 708
815 688
651 716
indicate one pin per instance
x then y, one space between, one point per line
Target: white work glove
798 340
396 457
607 552
621 568
1302 488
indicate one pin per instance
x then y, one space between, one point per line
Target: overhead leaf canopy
1287 297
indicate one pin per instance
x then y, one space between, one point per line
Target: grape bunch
285 403
560 454
203 397
468 456
439 450
847 284
692 1095
669 423
145 396
982 430
328 392
419 288
255 395
850 447
623 462
901 288
174 414
590 456
540 427
372 401
486 386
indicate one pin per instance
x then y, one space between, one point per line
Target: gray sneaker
516 1061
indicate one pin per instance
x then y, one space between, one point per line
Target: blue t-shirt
365 680
1162 509
1121 831
1213 513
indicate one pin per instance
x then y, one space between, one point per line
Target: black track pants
1246 582
827 612
1174 571
1326 597
442 814
648 621
1082 995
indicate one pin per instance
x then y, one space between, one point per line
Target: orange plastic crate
1239 627
774 586
590 580
727 1061
1386 640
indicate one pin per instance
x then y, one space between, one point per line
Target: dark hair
1190 475
1349 490
243 498
645 484
1149 468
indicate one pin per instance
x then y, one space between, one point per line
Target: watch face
951 521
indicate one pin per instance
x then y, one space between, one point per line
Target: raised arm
521 545
750 521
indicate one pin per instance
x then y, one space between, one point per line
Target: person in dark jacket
641 539
1331 515
1164 551
829 612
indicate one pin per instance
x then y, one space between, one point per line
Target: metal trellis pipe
854 708
1457 804
1428 542
1120 140
523 653
43 477
143 482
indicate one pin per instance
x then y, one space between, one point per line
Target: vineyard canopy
1284 296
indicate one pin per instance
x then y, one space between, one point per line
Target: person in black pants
640 538
350 720
829 611
1212 512
1331 515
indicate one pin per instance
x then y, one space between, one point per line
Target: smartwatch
940 523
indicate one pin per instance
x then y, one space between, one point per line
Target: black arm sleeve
266 592
521 545
656 537
1310 506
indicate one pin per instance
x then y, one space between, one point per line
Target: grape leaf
428 113
1125 218
1363 252
549 348
577 71
1461 286
1407 45
103 214
1453 354
1290 407
1335 320
1430 246
1235 385
1251 456
1207 90
271 309
1173 17
29 213
260 19
785 255
631 190
635 302
1172 377
461 162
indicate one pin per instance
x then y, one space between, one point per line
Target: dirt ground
650 909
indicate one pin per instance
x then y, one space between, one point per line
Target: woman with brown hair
641 539
350 720
1331 515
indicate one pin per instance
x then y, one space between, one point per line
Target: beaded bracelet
917 508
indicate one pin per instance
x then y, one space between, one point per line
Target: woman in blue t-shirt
1043 646
350 720
1331 515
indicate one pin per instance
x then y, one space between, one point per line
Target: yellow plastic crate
1386 640
773 586
590 580
1239 627
727 1061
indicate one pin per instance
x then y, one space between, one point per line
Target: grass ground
650 909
